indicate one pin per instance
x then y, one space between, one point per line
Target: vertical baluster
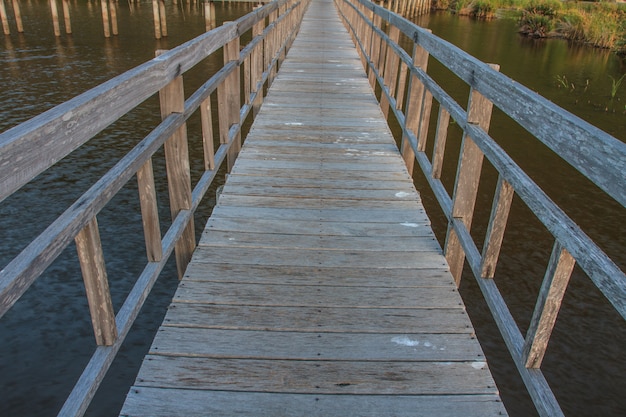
390 74
497 224
374 51
149 212
548 304
172 99
256 72
443 121
401 90
207 134
468 177
414 106
89 248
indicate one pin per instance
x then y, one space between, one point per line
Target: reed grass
602 24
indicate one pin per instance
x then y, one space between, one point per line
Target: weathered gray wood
206 120
228 99
172 99
316 295
89 248
467 180
154 402
149 212
220 343
440 142
548 305
316 275
319 319
320 241
318 377
497 224
255 225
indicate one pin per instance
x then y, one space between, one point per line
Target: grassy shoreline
600 24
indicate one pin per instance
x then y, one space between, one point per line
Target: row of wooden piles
109 14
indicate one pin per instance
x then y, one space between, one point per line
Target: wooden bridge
317 286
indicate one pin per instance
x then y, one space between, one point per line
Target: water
46 338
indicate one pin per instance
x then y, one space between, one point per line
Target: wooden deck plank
320 319
246 344
318 287
156 402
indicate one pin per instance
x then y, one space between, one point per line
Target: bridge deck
318 287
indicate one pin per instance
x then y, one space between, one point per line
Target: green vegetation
599 24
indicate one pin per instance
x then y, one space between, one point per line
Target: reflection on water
584 363
46 338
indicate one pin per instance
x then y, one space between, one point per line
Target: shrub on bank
600 24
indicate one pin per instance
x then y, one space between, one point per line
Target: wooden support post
391 71
271 47
18 16
497 224
89 248
207 134
163 17
209 15
105 18
67 17
414 106
172 99
548 305
149 212
55 17
157 19
256 70
228 96
113 13
401 90
5 19
468 177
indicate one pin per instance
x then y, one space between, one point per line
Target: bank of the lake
599 24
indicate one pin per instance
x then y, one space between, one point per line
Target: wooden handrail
603 162
34 146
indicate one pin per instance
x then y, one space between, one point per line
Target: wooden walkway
318 288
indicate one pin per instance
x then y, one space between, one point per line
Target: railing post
172 99
256 70
89 248
414 107
229 105
270 49
441 136
66 16
374 52
467 179
105 18
548 304
18 16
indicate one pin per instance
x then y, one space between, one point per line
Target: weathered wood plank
219 343
328 214
256 225
405 193
156 402
313 242
364 259
308 275
316 295
318 377
319 319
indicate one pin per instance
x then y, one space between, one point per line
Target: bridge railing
34 146
410 93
